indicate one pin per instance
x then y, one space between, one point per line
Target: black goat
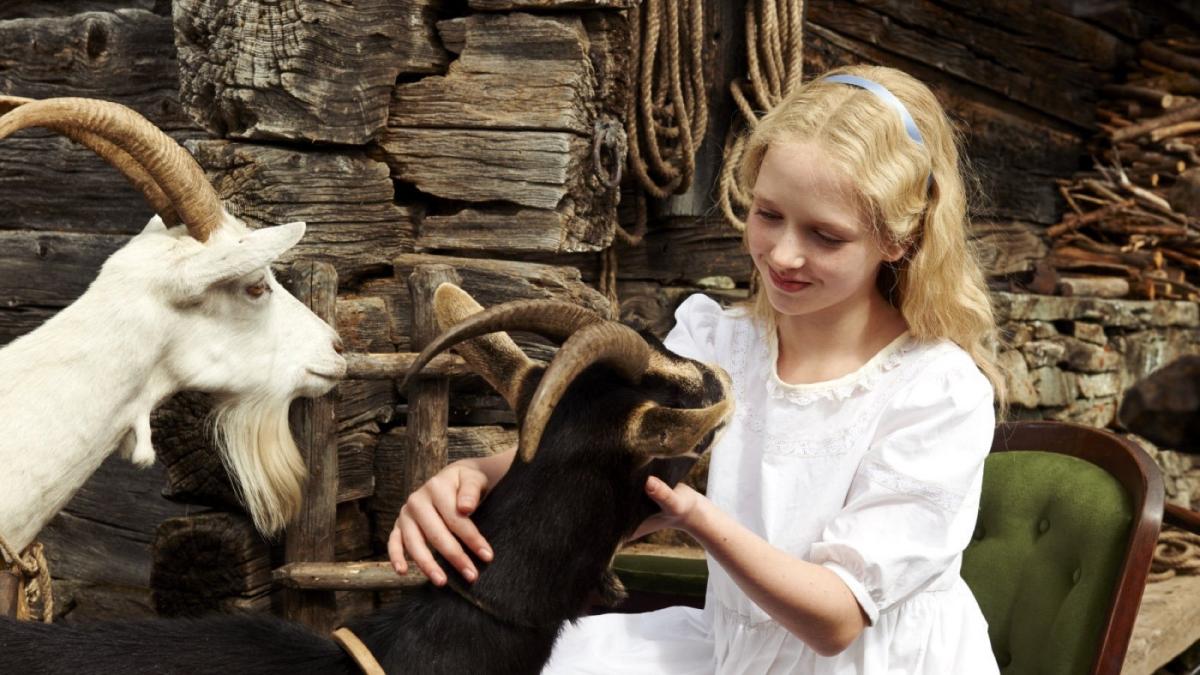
611 409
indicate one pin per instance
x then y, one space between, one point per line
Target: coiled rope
666 115
1177 552
775 62
30 565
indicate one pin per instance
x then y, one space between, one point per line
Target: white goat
192 307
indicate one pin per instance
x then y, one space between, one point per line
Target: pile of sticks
1133 225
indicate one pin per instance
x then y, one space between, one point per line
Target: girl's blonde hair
938 286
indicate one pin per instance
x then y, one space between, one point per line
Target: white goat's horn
118 158
554 319
168 165
608 342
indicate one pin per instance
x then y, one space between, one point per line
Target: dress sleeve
914 500
695 331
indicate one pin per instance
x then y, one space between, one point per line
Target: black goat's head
658 408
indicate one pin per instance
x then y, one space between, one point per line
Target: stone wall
1072 359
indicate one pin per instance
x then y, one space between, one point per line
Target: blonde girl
843 492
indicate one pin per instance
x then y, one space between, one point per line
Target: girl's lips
786 285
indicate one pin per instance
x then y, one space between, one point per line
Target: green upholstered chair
1066 532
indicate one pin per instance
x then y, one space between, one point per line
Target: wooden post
310 538
428 397
10 586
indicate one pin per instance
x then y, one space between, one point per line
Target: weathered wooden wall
462 133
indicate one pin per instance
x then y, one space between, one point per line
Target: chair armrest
1182 517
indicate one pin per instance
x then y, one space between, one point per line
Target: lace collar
865 377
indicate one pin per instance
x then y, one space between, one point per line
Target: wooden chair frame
1140 477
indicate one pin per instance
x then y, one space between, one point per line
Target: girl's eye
832 241
258 290
767 215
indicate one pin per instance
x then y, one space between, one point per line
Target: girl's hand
437 513
680 507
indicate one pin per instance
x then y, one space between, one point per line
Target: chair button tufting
1077 575
1003 660
1043 526
978 535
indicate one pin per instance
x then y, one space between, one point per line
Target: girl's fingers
436 532
420 552
395 548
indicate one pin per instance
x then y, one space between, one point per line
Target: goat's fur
190 307
554 523
166 313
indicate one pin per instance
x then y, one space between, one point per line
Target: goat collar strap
465 593
349 642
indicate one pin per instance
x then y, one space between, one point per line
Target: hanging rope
775 61
1177 552
30 565
666 116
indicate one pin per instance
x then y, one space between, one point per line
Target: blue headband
889 98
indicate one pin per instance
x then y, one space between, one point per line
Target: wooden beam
310 537
10 587
357 576
395 366
428 397
300 69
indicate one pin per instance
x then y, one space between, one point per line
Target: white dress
875 475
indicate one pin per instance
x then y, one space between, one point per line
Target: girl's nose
787 255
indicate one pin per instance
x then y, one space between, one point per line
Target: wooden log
300 69
1169 58
1007 247
556 5
346 199
1156 97
929 32
1094 287
310 536
536 169
1180 114
518 115
489 281
428 397
10 588
209 562
347 576
103 535
1014 154
125 56
395 366
45 9
20 321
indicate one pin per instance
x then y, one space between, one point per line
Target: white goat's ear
223 261
156 225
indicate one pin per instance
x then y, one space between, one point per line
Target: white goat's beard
257 448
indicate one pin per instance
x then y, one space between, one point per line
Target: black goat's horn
499 360
168 166
659 431
606 342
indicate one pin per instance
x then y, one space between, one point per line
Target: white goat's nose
338 345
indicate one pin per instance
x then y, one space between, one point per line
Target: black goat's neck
547 562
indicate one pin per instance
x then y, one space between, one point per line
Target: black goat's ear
611 590
658 431
494 357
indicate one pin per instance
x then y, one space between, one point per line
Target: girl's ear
893 252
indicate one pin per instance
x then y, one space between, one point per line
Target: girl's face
814 249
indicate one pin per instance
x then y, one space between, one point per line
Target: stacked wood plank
1133 225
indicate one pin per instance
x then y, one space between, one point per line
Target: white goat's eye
258 290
